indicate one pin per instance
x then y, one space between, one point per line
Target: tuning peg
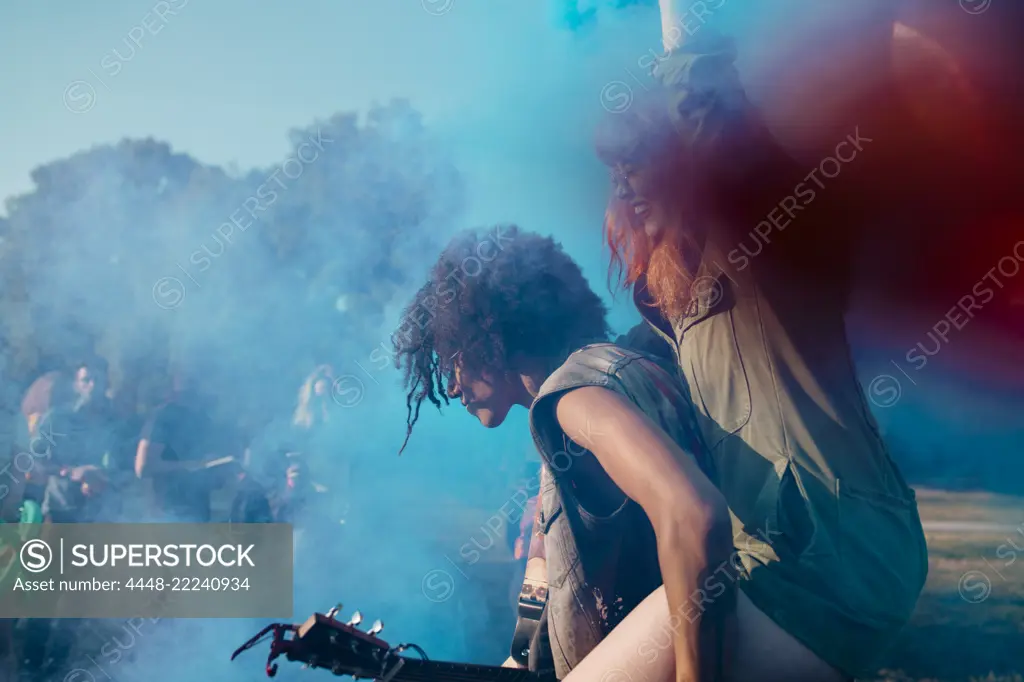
356 619
334 610
377 626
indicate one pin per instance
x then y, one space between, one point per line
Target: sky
224 82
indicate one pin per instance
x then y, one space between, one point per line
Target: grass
969 623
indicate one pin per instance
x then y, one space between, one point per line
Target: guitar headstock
323 641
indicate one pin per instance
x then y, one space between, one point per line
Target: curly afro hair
493 296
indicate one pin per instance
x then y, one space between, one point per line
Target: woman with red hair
739 257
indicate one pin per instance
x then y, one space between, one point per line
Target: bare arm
689 515
149 460
682 18
671 18
145 455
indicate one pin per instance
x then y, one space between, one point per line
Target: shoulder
593 365
623 370
642 337
51 416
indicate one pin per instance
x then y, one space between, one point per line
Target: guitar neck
415 670
323 642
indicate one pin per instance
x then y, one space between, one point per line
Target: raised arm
681 18
671 31
740 158
689 515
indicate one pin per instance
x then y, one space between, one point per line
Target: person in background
295 461
37 401
313 433
77 487
90 381
303 431
313 409
177 444
38 398
69 443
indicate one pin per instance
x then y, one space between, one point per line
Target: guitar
325 642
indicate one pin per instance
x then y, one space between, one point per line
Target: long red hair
724 183
698 181
663 263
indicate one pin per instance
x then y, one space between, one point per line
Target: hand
38 471
92 479
519 552
293 475
80 473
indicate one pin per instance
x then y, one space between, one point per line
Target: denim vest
599 567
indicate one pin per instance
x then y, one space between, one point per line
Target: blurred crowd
76 450
70 455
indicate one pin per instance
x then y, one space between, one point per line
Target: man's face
84 384
485 396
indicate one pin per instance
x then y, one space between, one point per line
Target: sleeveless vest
599 567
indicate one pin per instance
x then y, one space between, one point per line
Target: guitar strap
533 596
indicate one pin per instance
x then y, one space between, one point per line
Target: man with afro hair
506 318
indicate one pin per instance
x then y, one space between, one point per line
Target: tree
148 256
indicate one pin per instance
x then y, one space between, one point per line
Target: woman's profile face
637 186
